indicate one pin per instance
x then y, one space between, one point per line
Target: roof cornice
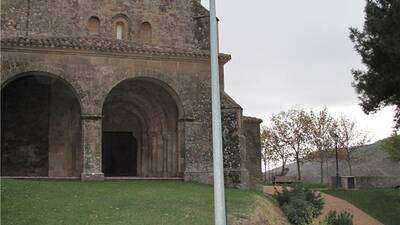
103 48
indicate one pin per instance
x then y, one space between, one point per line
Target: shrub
298 211
300 204
343 218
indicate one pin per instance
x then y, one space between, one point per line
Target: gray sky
287 53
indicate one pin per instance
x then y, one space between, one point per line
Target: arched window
145 33
120 30
94 25
121 27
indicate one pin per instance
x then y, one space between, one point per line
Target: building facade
107 88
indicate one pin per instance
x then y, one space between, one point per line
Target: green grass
114 202
314 185
382 204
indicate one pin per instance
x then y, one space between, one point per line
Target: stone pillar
92 147
251 128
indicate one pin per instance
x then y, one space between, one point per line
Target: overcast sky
288 53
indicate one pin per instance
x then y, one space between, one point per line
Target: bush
343 218
300 204
298 211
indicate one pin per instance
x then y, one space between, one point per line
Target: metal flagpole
219 192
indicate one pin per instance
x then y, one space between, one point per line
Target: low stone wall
377 182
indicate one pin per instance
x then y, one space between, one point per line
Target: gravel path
334 203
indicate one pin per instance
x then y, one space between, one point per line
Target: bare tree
275 147
349 139
268 154
292 128
320 126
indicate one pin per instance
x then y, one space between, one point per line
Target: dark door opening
119 154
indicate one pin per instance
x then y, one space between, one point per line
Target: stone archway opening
41 128
141 131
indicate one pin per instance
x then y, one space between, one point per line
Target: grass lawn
382 204
314 185
114 202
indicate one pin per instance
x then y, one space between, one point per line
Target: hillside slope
371 160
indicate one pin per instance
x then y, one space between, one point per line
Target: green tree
379 46
392 147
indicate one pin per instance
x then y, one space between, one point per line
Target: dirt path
334 203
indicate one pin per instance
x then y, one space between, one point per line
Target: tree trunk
348 159
298 167
283 167
322 171
265 171
350 169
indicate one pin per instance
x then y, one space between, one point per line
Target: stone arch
14 76
164 84
42 130
159 111
8 75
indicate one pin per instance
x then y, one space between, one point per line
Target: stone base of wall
232 177
92 176
377 182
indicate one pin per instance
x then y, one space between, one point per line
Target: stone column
251 129
92 147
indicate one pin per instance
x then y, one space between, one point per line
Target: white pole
219 192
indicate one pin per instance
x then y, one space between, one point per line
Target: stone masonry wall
251 128
175 24
93 77
41 129
24 123
56 40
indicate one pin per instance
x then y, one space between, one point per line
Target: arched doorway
141 135
41 128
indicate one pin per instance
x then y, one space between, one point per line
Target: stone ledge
103 45
39 178
252 119
92 176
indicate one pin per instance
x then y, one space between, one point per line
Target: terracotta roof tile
102 45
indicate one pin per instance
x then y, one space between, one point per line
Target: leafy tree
379 46
320 126
292 128
392 147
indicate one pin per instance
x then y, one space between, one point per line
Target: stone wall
93 78
177 24
75 41
40 129
251 127
65 146
377 182
24 123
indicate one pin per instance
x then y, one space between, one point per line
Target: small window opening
120 29
145 33
94 25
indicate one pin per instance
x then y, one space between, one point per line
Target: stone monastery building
97 89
